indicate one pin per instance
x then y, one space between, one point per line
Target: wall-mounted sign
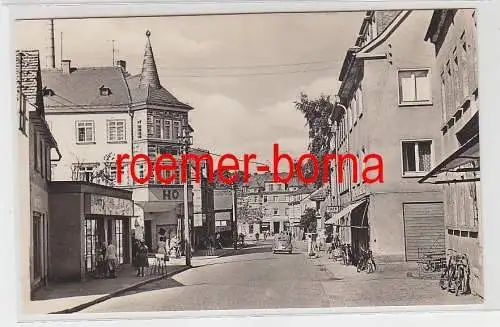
109 206
171 194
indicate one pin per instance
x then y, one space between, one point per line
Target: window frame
139 129
108 127
402 103
77 122
416 173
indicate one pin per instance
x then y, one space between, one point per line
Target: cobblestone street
254 278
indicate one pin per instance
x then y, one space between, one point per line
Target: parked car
282 243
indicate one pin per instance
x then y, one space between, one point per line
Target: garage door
424 228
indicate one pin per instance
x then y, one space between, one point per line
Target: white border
489 64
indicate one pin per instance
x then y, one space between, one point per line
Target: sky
241 73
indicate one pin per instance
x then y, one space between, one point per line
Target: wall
63 127
384 123
464 233
23 212
66 234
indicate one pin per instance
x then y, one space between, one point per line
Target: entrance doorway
276 227
147 234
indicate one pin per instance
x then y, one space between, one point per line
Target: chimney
122 64
66 66
51 58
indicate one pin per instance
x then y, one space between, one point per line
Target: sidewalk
392 284
75 296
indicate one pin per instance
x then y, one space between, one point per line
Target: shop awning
344 212
467 153
157 206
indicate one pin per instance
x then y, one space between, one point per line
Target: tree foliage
317 113
100 174
308 220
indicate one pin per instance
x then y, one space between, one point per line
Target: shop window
414 87
90 244
416 157
119 239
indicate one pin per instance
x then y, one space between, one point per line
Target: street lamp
186 139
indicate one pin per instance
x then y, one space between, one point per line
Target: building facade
35 145
84 217
454 36
386 106
100 112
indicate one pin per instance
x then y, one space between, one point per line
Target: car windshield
282 237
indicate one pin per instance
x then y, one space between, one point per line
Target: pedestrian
111 259
142 258
101 262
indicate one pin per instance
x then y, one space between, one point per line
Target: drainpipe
131 114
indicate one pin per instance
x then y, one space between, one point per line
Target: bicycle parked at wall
366 261
455 276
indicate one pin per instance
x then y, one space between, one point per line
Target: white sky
242 113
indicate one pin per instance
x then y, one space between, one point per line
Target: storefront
84 217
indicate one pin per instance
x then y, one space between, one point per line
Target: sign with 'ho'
171 194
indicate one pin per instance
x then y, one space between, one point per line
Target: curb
118 292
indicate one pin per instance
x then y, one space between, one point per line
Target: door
276 226
424 229
147 233
37 245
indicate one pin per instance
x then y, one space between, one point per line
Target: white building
99 112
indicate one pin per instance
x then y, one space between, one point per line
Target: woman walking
141 258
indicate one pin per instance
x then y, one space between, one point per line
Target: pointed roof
149 74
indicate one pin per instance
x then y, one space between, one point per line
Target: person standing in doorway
111 259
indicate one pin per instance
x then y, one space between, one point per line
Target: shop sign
110 206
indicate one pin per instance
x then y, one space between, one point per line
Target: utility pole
113 45
186 138
235 221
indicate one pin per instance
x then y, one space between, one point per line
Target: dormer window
104 91
47 92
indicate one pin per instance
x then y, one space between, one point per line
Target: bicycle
366 262
455 277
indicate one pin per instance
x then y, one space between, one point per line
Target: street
257 279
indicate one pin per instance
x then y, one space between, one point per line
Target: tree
317 113
248 214
308 220
100 174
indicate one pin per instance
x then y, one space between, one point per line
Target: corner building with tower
99 112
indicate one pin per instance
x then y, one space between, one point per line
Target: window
270 187
176 130
416 156
464 67
90 244
22 113
278 187
139 129
250 229
116 130
85 131
359 99
286 211
275 211
275 199
167 129
414 87
265 198
84 172
104 91
141 170
157 128
443 97
119 239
